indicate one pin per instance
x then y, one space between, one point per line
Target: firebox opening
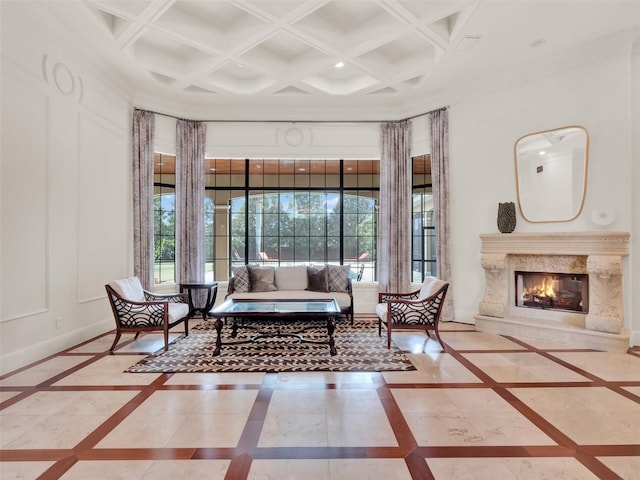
553 291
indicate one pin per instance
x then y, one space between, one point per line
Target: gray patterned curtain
190 146
439 135
143 150
394 237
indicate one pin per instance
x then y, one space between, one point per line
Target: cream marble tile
141 430
109 470
478 341
70 403
189 418
240 378
442 430
168 402
625 467
147 343
293 378
369 468
61 418
634 390
55 431
223 402
433 368
209 431
606 365
424 401
99 345
289 470
587 415
465 417
469 469
188 469
507 428
360 430
22 470
43 371
353 401
14 426
297 401
109 370
350 377
522 367
585 399
457 326
294 430
509 469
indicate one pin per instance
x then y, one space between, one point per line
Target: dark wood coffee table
278 312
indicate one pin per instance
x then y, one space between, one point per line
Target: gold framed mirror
551 174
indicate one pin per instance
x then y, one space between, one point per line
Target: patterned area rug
359 347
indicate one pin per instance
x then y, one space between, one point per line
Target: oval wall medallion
64 79
293 136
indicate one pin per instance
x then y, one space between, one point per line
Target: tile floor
491 407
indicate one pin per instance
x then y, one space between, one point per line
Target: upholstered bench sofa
298 282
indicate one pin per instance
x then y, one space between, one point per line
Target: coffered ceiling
312 59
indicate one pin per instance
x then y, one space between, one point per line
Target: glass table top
240 306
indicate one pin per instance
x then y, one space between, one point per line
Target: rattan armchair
136 310
418 310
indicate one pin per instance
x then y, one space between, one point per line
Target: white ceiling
275 59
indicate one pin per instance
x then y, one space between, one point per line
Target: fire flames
542 290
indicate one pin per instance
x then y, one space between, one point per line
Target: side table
212 292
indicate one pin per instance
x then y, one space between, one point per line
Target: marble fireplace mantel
598 254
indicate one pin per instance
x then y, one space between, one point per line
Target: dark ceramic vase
506 217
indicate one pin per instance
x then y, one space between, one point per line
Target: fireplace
555 291
556 287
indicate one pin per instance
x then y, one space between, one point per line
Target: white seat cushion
430 285
381 311
129 289
177 311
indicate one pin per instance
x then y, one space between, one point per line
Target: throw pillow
262 279
338 277
241 279
318 279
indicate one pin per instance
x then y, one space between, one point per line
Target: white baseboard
38 351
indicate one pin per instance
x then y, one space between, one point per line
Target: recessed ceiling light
339 65
301 169
212 169
160 164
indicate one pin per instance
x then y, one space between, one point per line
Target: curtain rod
295 121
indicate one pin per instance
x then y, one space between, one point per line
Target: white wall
290 139
482 137
65 197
